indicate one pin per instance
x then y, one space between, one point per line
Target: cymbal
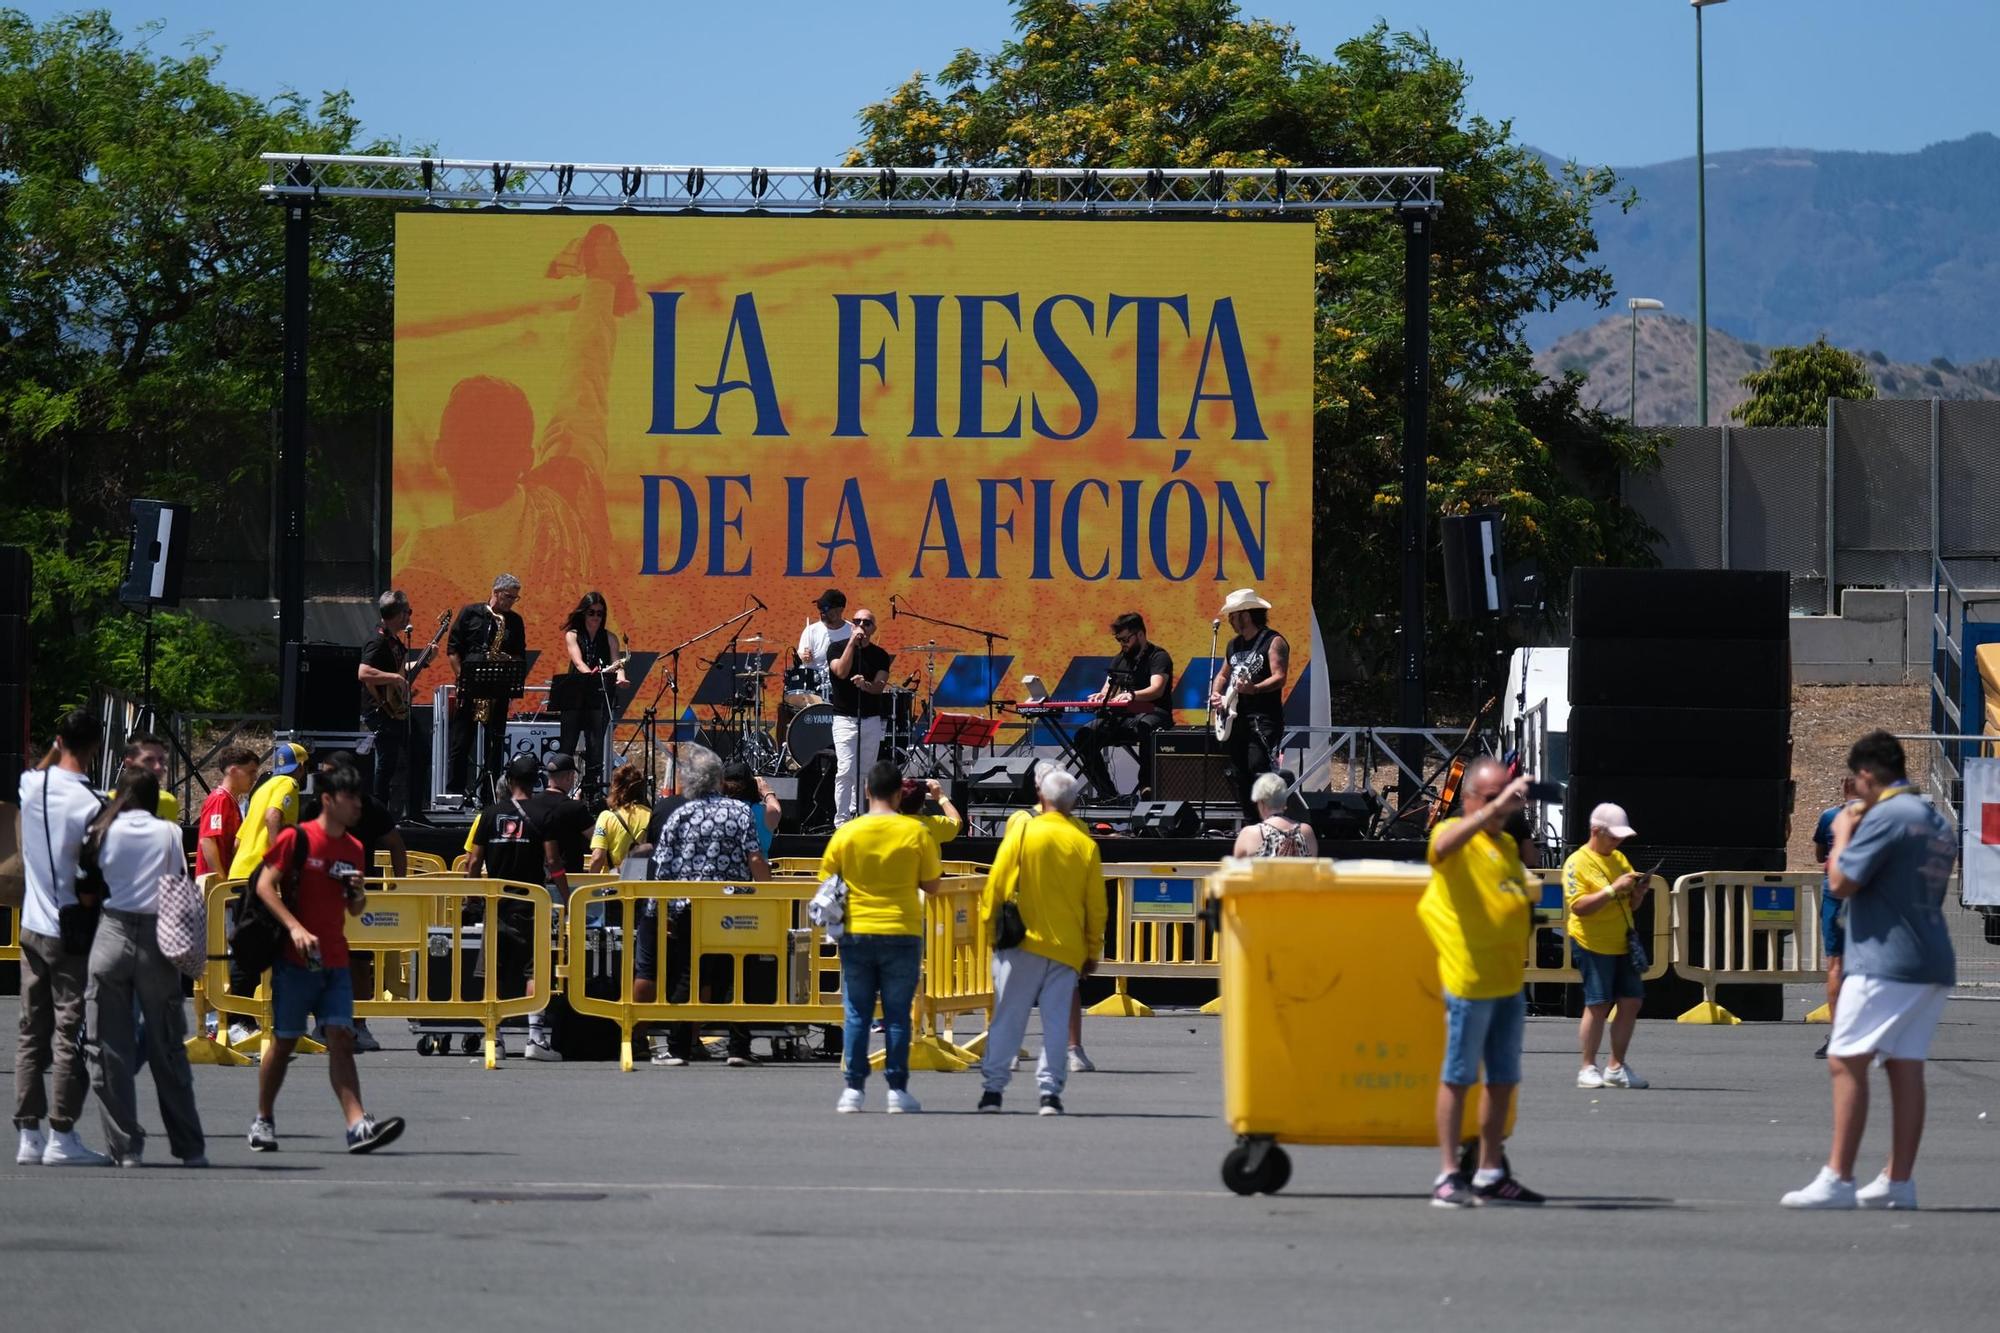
754 675
754 638
932 647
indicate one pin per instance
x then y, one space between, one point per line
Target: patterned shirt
711 838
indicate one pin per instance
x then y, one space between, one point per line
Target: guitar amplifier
1189 764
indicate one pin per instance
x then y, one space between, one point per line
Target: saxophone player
484 629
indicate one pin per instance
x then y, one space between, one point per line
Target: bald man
859 669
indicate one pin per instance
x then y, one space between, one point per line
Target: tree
140 325
1161 83
1792 390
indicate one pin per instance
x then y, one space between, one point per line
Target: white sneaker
1624 1076
850 1101
1826 1191
33 1145
1079 1063
133 1159
66 1149
541 1050
1883 1192
902 1103
1589 1077
364 1040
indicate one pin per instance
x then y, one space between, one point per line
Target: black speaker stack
1680 711
16 600
320 686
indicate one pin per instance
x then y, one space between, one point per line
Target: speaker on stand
156 554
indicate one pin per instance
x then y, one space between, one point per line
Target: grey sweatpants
1023 981
126 961
51 1034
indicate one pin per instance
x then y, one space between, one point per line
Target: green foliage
141 295
1792 390
1142 83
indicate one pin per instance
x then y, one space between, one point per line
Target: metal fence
1866 501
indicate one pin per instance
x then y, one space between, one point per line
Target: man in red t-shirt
222 813
312 977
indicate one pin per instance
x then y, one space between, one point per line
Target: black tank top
596 649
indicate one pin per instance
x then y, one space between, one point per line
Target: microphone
1215 624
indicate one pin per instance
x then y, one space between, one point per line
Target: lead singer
859 673
593 653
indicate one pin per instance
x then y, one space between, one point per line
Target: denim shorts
1485 1032
1608 977
1832 933
327 993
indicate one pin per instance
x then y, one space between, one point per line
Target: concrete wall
1881 637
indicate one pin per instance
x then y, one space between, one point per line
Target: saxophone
489 711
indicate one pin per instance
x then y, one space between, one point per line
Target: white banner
1980 826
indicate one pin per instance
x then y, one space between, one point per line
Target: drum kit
805 714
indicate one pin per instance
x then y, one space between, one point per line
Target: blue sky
777 82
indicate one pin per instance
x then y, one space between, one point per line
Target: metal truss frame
1086 190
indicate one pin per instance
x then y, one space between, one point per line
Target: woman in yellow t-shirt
623 824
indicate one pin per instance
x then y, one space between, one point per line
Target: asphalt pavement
576 1195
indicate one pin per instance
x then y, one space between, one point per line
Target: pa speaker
1191 777
1338 816
1681 673
1005 777
159 543
1669 742
1164 819
1474 575
320 690
1680 604
1686 811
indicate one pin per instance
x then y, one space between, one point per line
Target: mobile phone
1654 868
1548 793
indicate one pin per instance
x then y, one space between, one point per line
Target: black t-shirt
565 819
1256 657
472 632
383 651
848 699
663 807
1134 671
512 841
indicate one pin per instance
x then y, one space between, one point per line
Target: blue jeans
1484 1032
884 967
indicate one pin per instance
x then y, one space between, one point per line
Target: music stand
959 730
496 680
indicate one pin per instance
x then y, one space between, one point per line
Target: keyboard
1045 707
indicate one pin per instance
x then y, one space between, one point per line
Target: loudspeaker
1680 604
159 543
1681 673
1661 742
1008 778
1340 815
1474 571
1184 740
319 688
1700 811
1164 819
1179 777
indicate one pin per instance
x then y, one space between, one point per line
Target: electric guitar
393 697
1222 719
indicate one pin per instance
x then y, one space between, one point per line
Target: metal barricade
1155 930
419 863
745 924
400 931
807 867
1746 926
10 934
957 976
1549 931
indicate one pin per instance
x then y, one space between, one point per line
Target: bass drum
810 734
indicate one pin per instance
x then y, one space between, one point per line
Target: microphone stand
1208 724
648 725
992 707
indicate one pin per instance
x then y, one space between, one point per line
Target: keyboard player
1137 695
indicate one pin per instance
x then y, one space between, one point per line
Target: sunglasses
864 622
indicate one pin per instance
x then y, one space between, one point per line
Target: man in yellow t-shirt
1601 891
1476 910
1051 870
886 858
273 808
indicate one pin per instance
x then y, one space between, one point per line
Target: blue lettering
1042 487
690 522
972 365
1222 327
1146 362
852 510
757 367
1128 535
947 522
1197 525
1072 503
1064 363
849 361
1232 509
721 522
924 374
989 525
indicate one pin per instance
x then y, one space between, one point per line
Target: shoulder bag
1009 930
258 940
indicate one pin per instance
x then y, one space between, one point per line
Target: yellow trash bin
1332 1015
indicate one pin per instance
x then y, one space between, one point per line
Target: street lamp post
1635 305
1700 227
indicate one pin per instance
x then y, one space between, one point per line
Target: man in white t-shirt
57 806
821 640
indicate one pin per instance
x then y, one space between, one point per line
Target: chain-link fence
1865 501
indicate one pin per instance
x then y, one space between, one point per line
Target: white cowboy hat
1244 599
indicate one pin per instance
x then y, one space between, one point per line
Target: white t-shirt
820 645
71 806
138 849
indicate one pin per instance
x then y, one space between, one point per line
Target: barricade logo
748 922
960 916
381 918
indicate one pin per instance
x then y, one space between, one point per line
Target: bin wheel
471 1044
425 1046
1254 1167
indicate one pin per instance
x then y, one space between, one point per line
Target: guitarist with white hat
1246 699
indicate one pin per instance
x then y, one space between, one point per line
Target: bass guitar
393 697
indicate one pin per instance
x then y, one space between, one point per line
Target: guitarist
386 673
1258 662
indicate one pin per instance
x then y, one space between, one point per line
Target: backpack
181 928
258 940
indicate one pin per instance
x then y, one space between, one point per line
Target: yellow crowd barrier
1155 929
762 923
419 863
1549 917
957 977
10 934
1746 926
400 931
807 867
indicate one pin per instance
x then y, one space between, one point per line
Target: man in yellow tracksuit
1050 868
